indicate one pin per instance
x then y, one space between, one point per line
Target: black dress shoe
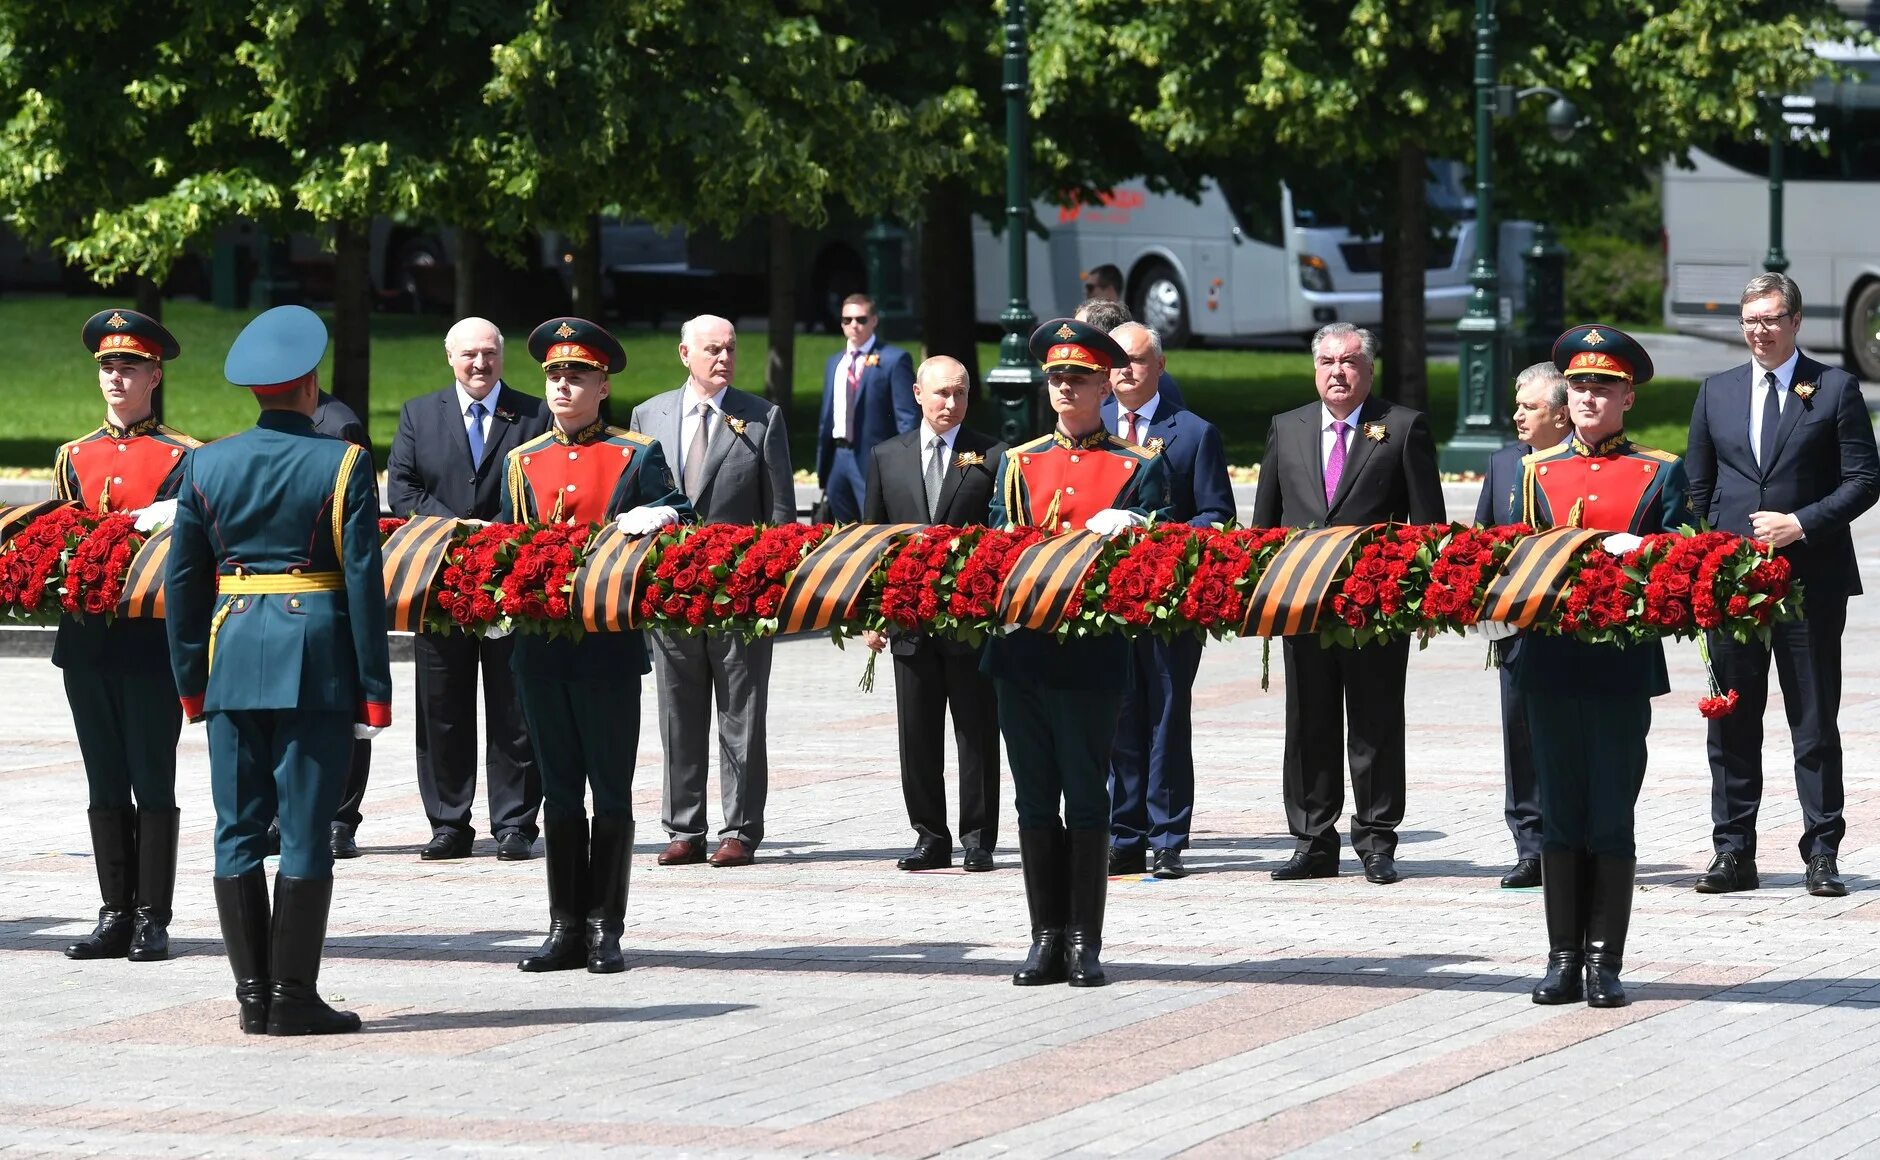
1526 873
343 844
446 845
515 847
1824 877
1381 869
1305 865
1128 861
1168 864
927 856
1729 872
976 860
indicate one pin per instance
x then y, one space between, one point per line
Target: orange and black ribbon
606 591
143 582
1045 578
15 517
1293 588
833 577
1534 576
413 556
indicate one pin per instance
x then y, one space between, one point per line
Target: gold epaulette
1147 450
188 441
535 444
631 436
1653 453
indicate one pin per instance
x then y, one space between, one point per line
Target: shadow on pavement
546 1017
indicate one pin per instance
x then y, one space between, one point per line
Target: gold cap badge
564 330
1594 338
117 321
1065 331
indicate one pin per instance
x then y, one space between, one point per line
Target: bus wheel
1161 304
1863 331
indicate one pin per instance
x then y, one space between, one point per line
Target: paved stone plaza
823 1003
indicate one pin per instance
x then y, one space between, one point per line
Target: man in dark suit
1106 314
1346 459
1782 448
447 460
940 473
868 396
332 417
1540 424
733 459
1152 765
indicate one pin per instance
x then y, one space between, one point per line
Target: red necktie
855 375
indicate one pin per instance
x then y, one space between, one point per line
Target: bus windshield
1843 143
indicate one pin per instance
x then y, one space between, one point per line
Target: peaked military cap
576 342
1065 344
128 334
276 350
1600 351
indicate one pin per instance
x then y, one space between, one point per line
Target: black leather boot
1044 858
1563 894
298 939
241 903
1607 921
565 949
1090 885
156 884
610 866
114 850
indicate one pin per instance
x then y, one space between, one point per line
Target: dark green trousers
1059 742
285 763
1589 763
586 736
127 728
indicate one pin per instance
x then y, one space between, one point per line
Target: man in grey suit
733 460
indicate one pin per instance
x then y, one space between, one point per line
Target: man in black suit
1781 448
447 460
1346 459
940 473
1540 424
332 417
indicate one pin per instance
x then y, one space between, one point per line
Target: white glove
366 732
1111 522
496 631
1494 629
157 515
1619 543
642 520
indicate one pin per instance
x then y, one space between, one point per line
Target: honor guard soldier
581 699
276 605
1059 701
117 673
1589 705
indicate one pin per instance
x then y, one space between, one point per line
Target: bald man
447 460
940 473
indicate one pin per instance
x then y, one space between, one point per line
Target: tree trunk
467 283
780 369
352 317
587 272
148 294
1407 248
947 294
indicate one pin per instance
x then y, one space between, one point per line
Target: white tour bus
1716 220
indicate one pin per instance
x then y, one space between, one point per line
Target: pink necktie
1335 462
1129 421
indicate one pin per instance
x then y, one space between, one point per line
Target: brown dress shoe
732 852
682 852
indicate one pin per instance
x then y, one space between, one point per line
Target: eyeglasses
1766 322
854 319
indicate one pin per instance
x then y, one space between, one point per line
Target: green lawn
51 393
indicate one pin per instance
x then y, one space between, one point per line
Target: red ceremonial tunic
1615 486
117 469
557 478
1057 483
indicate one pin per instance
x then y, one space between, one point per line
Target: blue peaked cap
279 346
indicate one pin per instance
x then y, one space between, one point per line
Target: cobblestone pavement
822 1002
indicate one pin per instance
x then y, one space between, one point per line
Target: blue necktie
477 411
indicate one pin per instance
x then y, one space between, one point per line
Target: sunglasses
854 319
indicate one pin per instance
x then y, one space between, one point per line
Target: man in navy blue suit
868 396
1782 449
1106 314
1541 423
1152 765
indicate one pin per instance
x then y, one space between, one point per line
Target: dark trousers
1152 767
586 736
127 725
1808 663
358 772
1521 804
1589 760
926 682
1324 686
446 671
842 491
1059 744
285 763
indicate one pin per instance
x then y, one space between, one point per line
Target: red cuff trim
192 707
377 714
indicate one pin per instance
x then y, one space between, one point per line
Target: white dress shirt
1328 438
951 435
1145 415
1759 389
839 424
465 398
688 423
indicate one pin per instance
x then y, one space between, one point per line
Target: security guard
276 605
117 673
1059 701
581 699
1589 705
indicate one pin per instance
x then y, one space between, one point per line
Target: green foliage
1614 279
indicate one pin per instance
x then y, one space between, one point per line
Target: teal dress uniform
1589 705
117 672
1059 701
581 698
276 604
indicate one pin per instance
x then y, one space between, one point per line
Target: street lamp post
1016 382
1776 260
